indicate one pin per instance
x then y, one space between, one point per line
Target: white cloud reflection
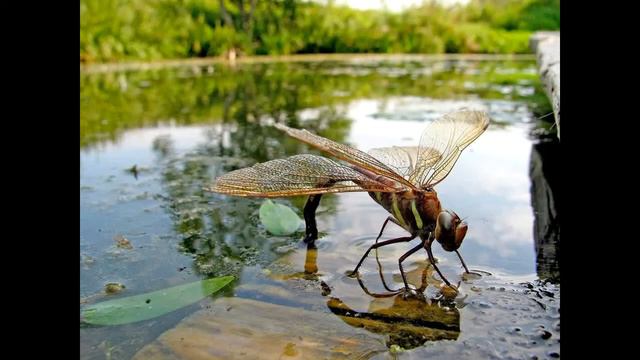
489 186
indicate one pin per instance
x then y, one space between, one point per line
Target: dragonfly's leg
390 218
403 258
433 261
377 295
384 283
380 244
310 218
462 261
311 259
465 265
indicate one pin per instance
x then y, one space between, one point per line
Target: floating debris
122 242
113 288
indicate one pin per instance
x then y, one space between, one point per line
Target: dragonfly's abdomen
407 208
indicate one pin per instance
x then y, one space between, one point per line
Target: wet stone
545 335
258 330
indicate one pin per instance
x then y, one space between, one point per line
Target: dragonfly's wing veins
389 169
346 153
296 175
401 160
442 143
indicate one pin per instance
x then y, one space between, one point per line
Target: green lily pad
279 219
153 304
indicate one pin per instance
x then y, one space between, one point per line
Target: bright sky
393 5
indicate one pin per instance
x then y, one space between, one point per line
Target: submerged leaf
279 219
153 304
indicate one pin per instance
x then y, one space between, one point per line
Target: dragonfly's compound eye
450 231
446 220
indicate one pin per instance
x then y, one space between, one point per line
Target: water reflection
279 91
545 200
150 141
222 231
406 320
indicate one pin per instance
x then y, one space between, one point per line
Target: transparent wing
401 160
296 175
442 143
346 153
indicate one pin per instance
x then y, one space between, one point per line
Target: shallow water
151 140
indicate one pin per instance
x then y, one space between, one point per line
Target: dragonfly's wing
400 159
442 143
346 153
296 175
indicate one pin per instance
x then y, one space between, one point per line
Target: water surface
151 140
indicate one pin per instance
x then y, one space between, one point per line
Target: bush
114 30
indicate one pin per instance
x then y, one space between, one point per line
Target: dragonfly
399 178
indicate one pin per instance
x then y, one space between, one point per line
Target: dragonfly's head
450 230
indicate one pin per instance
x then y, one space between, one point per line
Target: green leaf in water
146 306
395 349
279 219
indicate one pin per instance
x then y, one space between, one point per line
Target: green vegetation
115 30
150 305
279 219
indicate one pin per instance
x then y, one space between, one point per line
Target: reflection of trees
113 102
222 232
237 101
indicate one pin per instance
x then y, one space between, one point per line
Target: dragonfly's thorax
416 211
